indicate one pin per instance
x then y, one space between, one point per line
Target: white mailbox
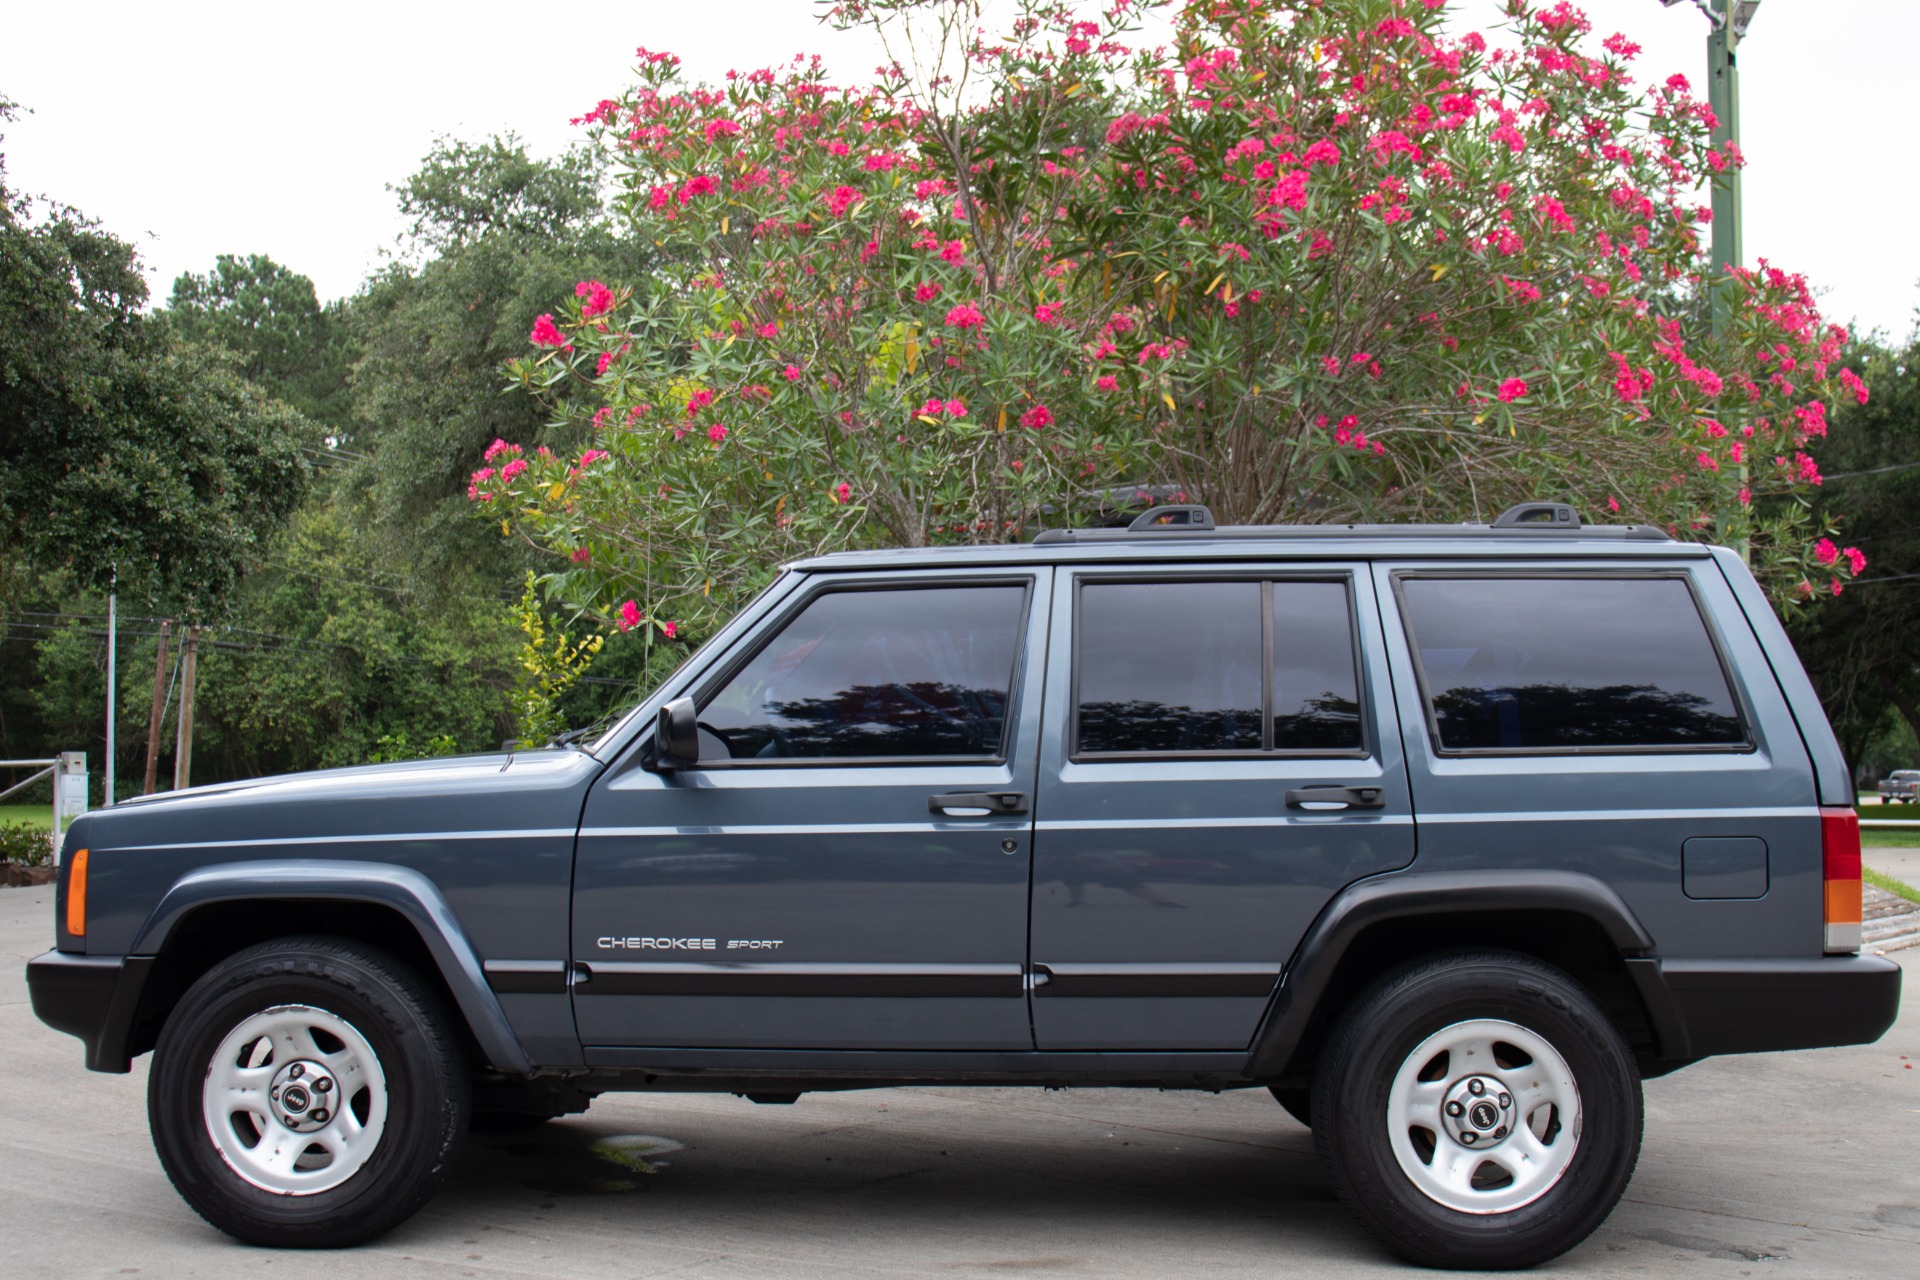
70 784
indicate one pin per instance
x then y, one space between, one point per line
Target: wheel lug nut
1476 1087
1469 1138
320 1117
1501 1132
323 1084
296 1071
1455 1109
1506 1100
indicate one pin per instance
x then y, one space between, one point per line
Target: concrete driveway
1803 1165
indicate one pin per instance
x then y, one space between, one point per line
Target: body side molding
402 889
1403 894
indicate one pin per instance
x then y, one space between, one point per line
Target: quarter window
883 674
1568 664
1181 667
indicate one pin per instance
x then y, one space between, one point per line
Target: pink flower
1825 552
1106 382
1707 463
965 316
1047 313
1037 417
716 128
1359 357
592 456
581 555
1512 389
512 469
499 447
1613 504
956 408
792 373
599 298
669 629
547 334
842 199
629 616
601 362
954 251
843 492
926 293
1331 365
698 185
1855 560
716 433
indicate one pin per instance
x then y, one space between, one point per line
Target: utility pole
160 672
183 750
113 683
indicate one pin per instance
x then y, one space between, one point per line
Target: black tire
1376 1041
1297 1103
326 982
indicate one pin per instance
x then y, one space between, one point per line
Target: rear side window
1241 667
920 672
1568 664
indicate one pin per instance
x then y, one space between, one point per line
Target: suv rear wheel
1478 1110
307 1093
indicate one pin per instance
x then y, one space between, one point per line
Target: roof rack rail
1181 515
1557 515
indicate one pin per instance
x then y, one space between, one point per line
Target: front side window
1167 668
879 674
1568 664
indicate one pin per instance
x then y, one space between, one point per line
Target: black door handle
991 801
1344 797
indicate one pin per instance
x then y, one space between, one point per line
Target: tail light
77 893
1840 855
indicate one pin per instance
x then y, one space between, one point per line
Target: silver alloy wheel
295 1100
1484 1116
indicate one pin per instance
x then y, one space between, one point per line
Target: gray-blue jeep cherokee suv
1448 836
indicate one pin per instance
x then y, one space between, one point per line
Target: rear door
1614 719
1220 758
847 866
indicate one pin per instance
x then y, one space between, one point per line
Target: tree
1863 649
495 233
268 315
118 445
1311 261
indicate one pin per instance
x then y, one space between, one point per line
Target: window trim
710 685
1743 712
1345 577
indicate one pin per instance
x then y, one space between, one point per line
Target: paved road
1798 1165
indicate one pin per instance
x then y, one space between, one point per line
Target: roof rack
1184 521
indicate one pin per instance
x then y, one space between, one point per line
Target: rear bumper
92 997
1705 1007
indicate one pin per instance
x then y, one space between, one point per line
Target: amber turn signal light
77 894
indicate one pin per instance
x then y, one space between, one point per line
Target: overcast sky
201 128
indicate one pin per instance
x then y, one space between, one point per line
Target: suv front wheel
1478 1110
307 1093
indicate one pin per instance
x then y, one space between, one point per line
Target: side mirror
676 738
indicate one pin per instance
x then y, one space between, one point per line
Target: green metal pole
1723 95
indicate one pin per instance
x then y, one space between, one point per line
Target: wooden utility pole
183 751
159 708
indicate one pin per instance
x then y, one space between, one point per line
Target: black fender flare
416 898
1399 895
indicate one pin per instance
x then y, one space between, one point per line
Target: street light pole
1723 95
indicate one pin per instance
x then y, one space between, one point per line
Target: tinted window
1559 663
921 672
1169 666
1316 696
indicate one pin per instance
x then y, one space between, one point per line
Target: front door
1221 758
847 867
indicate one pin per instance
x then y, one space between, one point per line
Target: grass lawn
1899 888
43 814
